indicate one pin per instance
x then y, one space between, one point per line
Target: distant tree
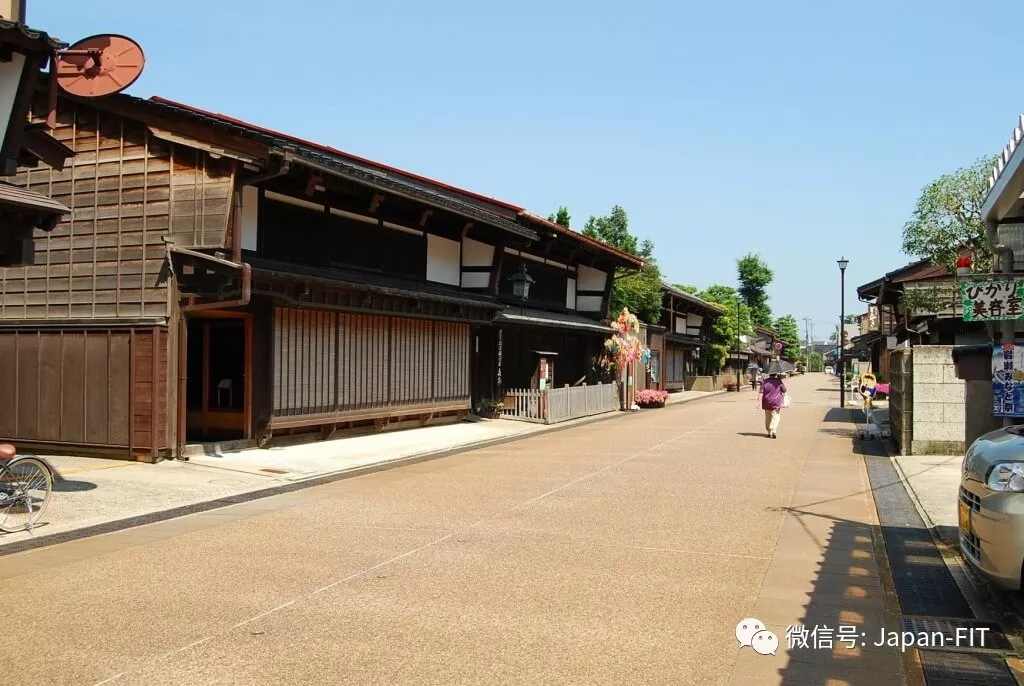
789 335
947 218
754 276
725 327
561 216
686 288
852 319
613 230
639 291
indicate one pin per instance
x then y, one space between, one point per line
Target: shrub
651 398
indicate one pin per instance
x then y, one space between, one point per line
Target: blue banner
1007 380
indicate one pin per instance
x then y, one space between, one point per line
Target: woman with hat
772 396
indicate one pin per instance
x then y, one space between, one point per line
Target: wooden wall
105 388
352 365
128 191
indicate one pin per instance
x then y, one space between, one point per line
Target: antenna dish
100 65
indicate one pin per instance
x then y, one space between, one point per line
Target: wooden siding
86 387
329 363
128 192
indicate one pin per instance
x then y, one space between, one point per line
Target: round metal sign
778 346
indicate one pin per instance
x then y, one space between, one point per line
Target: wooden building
218 281
687 321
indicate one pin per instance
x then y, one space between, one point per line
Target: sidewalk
91 494
934 481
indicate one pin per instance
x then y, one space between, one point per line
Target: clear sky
799 130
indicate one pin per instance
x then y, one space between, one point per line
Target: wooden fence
553 405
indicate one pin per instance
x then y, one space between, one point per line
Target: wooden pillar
206 376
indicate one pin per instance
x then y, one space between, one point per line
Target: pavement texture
621 551
935 483
89 492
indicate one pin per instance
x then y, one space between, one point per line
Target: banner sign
1008 380
989 301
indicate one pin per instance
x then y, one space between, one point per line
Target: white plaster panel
250 217
570 294
443 260
589 279
476 254
475 279
588 303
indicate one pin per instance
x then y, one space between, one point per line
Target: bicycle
26 483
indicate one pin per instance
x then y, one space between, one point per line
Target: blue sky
799 130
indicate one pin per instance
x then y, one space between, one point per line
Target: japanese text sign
992 300
1008 380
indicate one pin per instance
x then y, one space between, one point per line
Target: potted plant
730 385
651 398
492 409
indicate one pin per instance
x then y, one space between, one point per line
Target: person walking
772 396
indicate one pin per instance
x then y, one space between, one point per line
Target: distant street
621 552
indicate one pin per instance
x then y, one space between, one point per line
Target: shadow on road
62 485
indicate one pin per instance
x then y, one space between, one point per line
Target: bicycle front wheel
25 488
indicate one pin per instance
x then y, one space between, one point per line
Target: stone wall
938 402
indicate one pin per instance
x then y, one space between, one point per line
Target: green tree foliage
789 334
725 327
947 218
639 291
687 288
754 277
561 216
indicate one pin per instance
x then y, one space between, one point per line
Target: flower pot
490 414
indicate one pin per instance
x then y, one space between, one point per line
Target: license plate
965 517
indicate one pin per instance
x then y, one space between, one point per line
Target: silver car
991 506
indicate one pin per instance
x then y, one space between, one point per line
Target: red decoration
963 262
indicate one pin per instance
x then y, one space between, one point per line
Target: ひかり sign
992 300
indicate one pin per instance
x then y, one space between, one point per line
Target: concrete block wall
938 402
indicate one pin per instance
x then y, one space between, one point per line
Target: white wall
938 399
250 217
476 254
570 294
589 279
693 324
443 260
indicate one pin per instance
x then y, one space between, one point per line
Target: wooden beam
465 229
311 185
424 217
496 264
378 198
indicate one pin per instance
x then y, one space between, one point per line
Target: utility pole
807 344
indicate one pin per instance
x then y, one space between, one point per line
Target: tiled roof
514 315
690 297
33 34
354 168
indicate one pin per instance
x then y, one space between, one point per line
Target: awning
683 339
557 320
44 212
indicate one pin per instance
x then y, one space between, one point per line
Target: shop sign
989 301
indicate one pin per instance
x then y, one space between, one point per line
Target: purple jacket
772 391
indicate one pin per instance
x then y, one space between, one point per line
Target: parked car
830 371
991 506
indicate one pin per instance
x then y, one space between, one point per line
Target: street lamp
842 262
521 281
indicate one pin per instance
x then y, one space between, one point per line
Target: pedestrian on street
772 397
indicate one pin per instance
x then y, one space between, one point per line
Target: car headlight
1007 476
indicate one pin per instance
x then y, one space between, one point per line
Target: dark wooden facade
215 281
687 321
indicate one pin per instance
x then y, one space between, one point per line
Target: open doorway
217 392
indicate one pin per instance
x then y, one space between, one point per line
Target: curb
299 484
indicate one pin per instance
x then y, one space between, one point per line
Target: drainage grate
271 470
943 668
974 634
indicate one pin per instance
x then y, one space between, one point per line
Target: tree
613 230
789 334
754 277
947 218
852 319
640 292
725 327
687 288
561 216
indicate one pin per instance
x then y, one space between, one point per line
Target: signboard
1008 380
872 317
778 347
988 301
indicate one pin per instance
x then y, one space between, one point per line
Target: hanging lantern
963 265
521 281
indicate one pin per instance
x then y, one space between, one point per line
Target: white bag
785 400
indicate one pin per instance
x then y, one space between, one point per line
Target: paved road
619 552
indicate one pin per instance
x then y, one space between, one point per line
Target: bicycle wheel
25 488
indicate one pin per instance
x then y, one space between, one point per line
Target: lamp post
842 262
521 281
